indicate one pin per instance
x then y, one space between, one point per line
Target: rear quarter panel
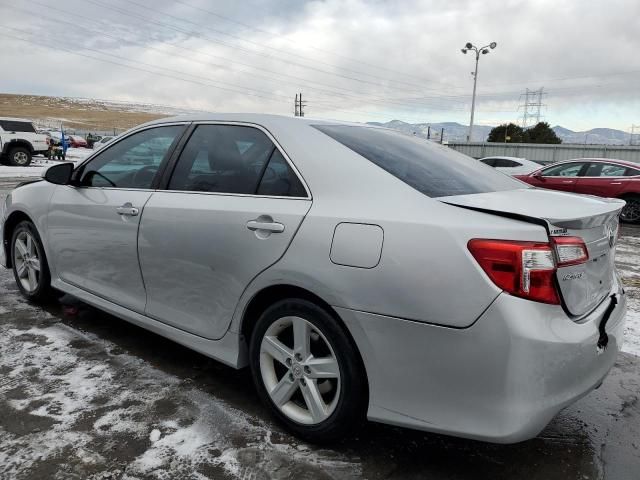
425 272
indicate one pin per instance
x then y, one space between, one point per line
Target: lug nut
303 381
291 377
307 370
288 362
298 357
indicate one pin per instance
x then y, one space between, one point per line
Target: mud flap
603 339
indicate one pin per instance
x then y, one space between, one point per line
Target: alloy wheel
27 261
631 211
21 158
300 370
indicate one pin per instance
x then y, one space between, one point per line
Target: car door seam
144 285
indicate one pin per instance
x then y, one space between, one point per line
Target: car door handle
258 224
568 181
128 209
616 183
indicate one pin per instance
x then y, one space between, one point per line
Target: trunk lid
594 219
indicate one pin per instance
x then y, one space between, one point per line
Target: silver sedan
359 273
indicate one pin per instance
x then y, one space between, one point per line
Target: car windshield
432 169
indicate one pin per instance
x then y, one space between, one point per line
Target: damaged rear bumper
501 380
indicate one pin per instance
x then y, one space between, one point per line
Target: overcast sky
352 59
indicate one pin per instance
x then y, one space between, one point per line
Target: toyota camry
358 272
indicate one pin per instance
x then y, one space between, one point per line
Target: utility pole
531 109
299 105
442 135
484 50
428 132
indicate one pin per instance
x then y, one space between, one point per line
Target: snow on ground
40 164
628 263
65 393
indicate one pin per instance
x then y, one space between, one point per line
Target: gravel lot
88 396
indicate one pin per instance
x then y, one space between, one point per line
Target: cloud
353 59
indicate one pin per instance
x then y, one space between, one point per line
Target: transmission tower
532 107
633 140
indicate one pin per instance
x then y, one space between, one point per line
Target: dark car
594 176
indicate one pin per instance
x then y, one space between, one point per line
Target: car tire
316 387
19 157
30 267
631 211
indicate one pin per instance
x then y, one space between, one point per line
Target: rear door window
434 170
564 170
632 172
279 179
489 161
222 159
612 170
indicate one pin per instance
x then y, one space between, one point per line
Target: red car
594 176
76 141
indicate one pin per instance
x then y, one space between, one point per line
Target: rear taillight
523 269
527 269
570 251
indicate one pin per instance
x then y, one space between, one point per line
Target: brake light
570 250
523 269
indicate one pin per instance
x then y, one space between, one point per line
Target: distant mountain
600 136
456 132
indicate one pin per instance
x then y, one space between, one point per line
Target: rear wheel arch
10 224
275 293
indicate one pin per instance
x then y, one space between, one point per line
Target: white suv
19 141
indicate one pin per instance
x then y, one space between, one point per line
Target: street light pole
484 50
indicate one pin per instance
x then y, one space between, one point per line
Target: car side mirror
59 174
538 175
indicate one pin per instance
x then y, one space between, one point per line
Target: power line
413 103
235 47
279 99
274 35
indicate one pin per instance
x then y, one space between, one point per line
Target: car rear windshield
16 126
432 169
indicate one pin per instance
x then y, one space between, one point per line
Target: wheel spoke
326 367
35 264
276 349
33 279
22 248
314 401
283 391
29 245
21 269
301 337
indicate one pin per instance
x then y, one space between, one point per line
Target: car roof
504 157
265 119
607 160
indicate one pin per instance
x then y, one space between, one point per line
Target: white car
511 165
102 142
19 141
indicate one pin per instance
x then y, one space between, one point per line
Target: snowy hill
456 132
